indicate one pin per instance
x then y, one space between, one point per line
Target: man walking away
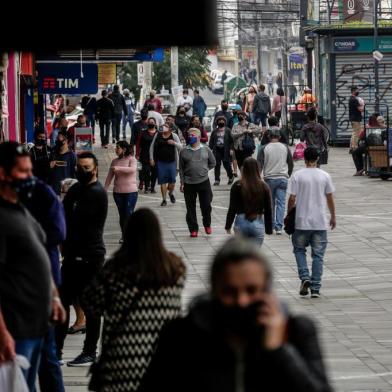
164 153
120 107
105 113
28 295
261 107
195 162
155 115
355 111
86 206
270 83
311 191
199 105
277 165
90 110
127 119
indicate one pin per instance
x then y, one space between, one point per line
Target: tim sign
56 78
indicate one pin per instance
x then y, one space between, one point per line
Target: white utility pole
174 66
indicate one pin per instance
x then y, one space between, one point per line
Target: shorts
167 172
261 118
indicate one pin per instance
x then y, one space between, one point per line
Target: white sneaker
278 232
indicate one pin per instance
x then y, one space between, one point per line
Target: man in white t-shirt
187 102
311 192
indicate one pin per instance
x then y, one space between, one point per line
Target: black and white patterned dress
127 353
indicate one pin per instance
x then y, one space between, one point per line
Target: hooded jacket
262 104
193 354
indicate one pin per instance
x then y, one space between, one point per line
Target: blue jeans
260 118
127 119
50 376
253 230
125 203
278 188
91 121
317 239
31 349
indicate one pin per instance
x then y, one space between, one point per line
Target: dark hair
196 91
39 132
311 154
123 144
353 88
224 101
311 114
253 188
88 155
261 87
116 88
180 108
150 106
185 91
143 255
221 118
144 113
63 132
280 92
104 93
273 121
152 118
195 116
9 152
171 116
234 251
81 115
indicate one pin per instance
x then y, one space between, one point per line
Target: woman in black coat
239 337
221 143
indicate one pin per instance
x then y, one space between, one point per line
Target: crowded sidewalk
355 311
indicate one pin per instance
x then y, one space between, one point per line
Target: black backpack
248 144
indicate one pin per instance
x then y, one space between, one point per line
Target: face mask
84 177
221 124
192 140
40 142
151 96
185 96
60 143
239 320
25 186
224 107
150 126
182 112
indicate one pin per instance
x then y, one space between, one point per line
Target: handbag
289 222
96 380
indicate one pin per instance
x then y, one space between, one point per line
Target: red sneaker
194 234
208 230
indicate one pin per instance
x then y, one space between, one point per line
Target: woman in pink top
125 193
249 102
277 103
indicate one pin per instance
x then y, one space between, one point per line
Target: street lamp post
375 45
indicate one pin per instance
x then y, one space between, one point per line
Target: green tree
128 78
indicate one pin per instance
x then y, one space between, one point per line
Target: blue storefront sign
71 79
345 45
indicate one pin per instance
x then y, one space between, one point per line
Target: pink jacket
277 103
124 175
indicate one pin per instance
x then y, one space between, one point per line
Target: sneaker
152 190
82 360
61 362
304 290
114 141
146 192
314 294
216 183
164 203
194 234
172 198
278 232
208 230
231 180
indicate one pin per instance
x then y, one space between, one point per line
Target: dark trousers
116 122
358 157
76 274
125 203
90 120
104 126
191 191
50 376
241 156
148 176
219 157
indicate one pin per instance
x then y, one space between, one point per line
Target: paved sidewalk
355 312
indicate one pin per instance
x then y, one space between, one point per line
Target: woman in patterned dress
137 292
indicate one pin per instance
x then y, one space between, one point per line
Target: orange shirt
306 99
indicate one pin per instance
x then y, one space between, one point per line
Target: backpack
248 144
299 151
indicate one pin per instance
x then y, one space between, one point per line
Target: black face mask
241 321
221 124
84 177
150 126
60 143
224 108
24 187
40 142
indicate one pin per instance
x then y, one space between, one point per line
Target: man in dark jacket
86 206
261 107
105 113
41 155
120 107
48 210
236 339
224 112
89 104
199 106
221 143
